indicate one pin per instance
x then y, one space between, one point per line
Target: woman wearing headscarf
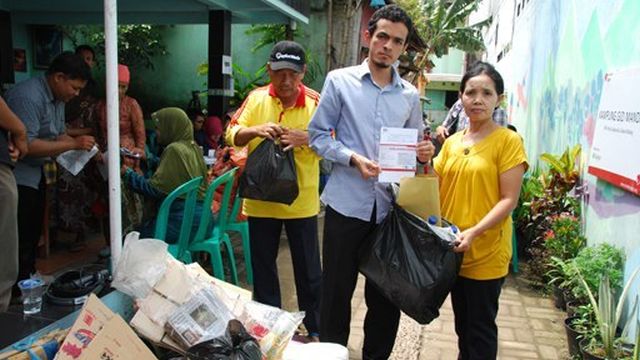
132 132
132 143
207 132
180 162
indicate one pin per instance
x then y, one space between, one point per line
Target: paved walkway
530 327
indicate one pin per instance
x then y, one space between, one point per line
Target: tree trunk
344 33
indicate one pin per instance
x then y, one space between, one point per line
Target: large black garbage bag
270 174
412 267
236 344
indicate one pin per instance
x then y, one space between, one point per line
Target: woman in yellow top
480 171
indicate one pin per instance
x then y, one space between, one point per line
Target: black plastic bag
411 266
270 174
236 344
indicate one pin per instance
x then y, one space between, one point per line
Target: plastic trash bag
270 174
235 344
412 267
141 265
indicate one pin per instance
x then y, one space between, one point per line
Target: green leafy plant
608 313
564 239
531 188
561 193
443 25
591 264
269 34
244 82
583 322
138 45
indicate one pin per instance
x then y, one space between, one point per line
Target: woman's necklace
471 139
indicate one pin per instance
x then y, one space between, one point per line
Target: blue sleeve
415 116
324 121
141 185
27 111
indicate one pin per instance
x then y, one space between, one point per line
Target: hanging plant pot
572 336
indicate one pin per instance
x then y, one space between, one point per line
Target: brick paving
529 326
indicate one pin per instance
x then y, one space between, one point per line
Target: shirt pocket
397 112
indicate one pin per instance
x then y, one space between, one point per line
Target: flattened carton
93 317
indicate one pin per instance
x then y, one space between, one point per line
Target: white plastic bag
272 327
75 160
142 264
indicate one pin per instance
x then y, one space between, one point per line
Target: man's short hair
72 65
393 13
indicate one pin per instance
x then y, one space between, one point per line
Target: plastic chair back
222 218
188 191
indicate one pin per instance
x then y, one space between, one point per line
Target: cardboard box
98 333
92 318
116 340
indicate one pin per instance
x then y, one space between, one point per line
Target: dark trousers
343 237
302 235
30 216
475 307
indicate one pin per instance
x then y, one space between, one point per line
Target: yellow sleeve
441 159
240 120
513 153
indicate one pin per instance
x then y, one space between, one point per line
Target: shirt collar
300 101
47 89
363 69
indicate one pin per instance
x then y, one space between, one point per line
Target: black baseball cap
287 55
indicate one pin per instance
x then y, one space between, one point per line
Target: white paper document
75 160
397 157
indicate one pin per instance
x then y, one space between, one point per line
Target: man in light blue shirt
356 102
39 103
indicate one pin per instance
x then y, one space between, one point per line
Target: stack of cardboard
178 286
98 333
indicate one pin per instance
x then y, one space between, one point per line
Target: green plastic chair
210 238
242 227
188 191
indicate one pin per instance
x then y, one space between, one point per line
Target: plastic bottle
448 233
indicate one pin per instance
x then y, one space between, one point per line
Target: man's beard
380 65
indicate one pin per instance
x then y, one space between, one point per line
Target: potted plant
562 242
593 262
578 326
561 192
605 344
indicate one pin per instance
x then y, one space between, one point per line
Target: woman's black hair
85 47
393 13
480 68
